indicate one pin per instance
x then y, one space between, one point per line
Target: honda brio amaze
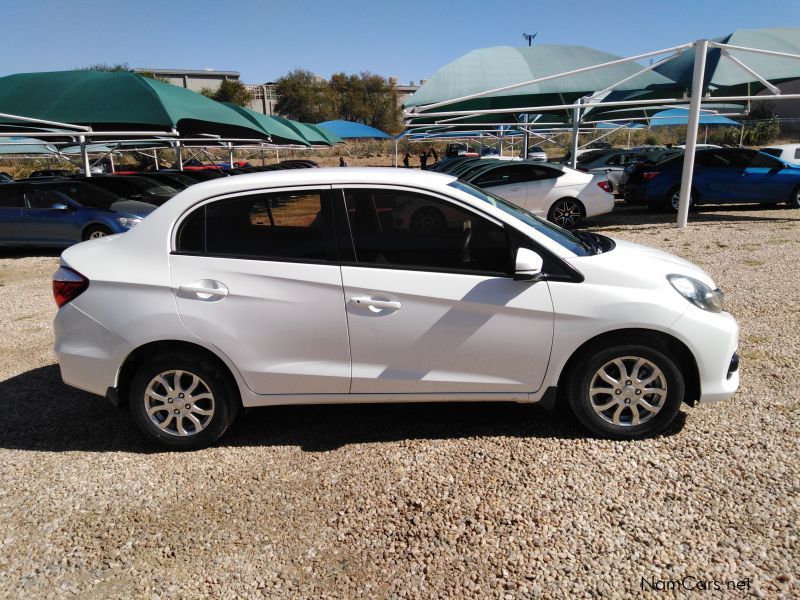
304 286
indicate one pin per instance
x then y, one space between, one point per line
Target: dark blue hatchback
721 176
63 212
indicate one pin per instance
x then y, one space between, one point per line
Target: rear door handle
372 302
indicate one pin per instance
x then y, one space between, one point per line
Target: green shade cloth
315 135
727 78
119 100
490 68
25 145
329 136
278 129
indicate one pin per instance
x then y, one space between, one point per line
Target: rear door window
11 197
283 226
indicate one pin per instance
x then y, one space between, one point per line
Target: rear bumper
87 353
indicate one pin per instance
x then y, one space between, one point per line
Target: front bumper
713 339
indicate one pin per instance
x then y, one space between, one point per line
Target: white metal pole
741 136
85 156
263 162
525 137
629 138
155 159
111 160
178 155
576 123
230 154
700 51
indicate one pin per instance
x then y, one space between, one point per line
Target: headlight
698 293
128 222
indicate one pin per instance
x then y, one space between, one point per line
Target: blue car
62 212
721 176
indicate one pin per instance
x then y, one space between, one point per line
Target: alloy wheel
98 233
628 391
567 213
179 403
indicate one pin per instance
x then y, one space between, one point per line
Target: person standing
342 162
406 160
423 160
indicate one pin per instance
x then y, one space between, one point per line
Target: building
193 80
264 97
404 92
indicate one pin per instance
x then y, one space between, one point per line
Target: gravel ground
429 501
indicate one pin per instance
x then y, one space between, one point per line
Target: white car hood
632 260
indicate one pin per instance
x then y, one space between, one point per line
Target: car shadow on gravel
28 252
40 413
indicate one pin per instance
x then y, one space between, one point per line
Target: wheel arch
658 340
138 356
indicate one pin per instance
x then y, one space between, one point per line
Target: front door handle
372 302
204 288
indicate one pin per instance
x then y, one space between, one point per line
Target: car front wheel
627 392
181 402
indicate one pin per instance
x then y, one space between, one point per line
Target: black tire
587 406
96 231
223 404
794 199
673 197
566 213
427 219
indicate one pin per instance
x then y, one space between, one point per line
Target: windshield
564 238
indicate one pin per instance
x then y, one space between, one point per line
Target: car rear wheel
566 213
96 231
794 200
181 402
627 392
675 199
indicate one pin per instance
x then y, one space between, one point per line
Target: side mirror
528 265
59 206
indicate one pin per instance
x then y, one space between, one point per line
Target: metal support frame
84 156
576 123
700 53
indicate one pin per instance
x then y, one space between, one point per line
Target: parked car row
563 195
721 175
55 208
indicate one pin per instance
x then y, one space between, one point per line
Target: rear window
775 152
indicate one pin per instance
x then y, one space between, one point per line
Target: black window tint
44 198
407 230
713 160
274 226
535 173
11 198
797 153
192 233
762 161
774 151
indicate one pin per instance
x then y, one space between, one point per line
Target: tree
234 92
109 68
303 97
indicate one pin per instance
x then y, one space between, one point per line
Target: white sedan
559 193
305 286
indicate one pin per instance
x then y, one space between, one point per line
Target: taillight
605 186
68 284
649 174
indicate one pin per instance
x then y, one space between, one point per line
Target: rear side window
281 226
11 198
774 152
414 231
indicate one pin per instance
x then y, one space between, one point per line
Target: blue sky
409 39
